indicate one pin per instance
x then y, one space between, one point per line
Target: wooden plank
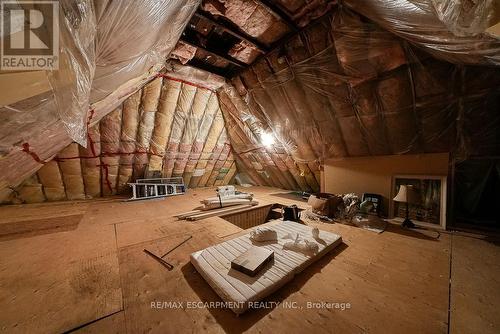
188 213
226 57
18 86
35 275
59 281
195 212
251 261
279 13
113 324
221 212
475 271
29 228
238 34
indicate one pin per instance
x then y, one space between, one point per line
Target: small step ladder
156 188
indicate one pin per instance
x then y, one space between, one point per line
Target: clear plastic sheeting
262 161
71 83
417 21
466 17
211 81
168 128
345 87
133 36
107 48
104 44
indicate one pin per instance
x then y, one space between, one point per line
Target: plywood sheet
475 282
58 281
58 277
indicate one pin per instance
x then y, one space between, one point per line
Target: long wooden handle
159 259
171 250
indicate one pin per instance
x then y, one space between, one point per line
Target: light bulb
266 139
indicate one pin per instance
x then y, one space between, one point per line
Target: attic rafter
236 33
209 68
214 53
278 12
287 38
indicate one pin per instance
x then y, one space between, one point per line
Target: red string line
106 171
91 142
108 154
26 148
183 81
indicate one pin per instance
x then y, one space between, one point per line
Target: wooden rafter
214 53
238 33
276 10
209 68
287 38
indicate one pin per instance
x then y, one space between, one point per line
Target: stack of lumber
202 214
225 201
226 196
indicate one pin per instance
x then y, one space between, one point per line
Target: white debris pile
227 196
302 245
261 234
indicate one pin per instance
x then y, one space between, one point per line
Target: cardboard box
252 261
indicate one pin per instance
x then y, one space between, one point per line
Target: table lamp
406 194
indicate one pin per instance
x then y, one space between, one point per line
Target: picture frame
431 209
376 199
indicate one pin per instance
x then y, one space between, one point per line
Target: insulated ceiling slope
450 30
345 87
168 128
109 49
269 165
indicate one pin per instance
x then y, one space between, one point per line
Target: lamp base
407 223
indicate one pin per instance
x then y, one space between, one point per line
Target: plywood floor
64 266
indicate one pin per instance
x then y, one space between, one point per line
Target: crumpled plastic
103 44
106 48
446 28
71 83
346 87
465 18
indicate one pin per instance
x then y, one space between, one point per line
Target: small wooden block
252 261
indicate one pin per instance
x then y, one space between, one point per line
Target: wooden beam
17 86
238 34
184 215
279 43
229 210
214 53
208 68
278 12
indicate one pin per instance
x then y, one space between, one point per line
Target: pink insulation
168 125
250 16
183 52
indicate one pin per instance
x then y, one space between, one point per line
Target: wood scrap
188 213
196 212
228 197
224 203
220 212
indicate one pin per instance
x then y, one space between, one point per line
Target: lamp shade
406 194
